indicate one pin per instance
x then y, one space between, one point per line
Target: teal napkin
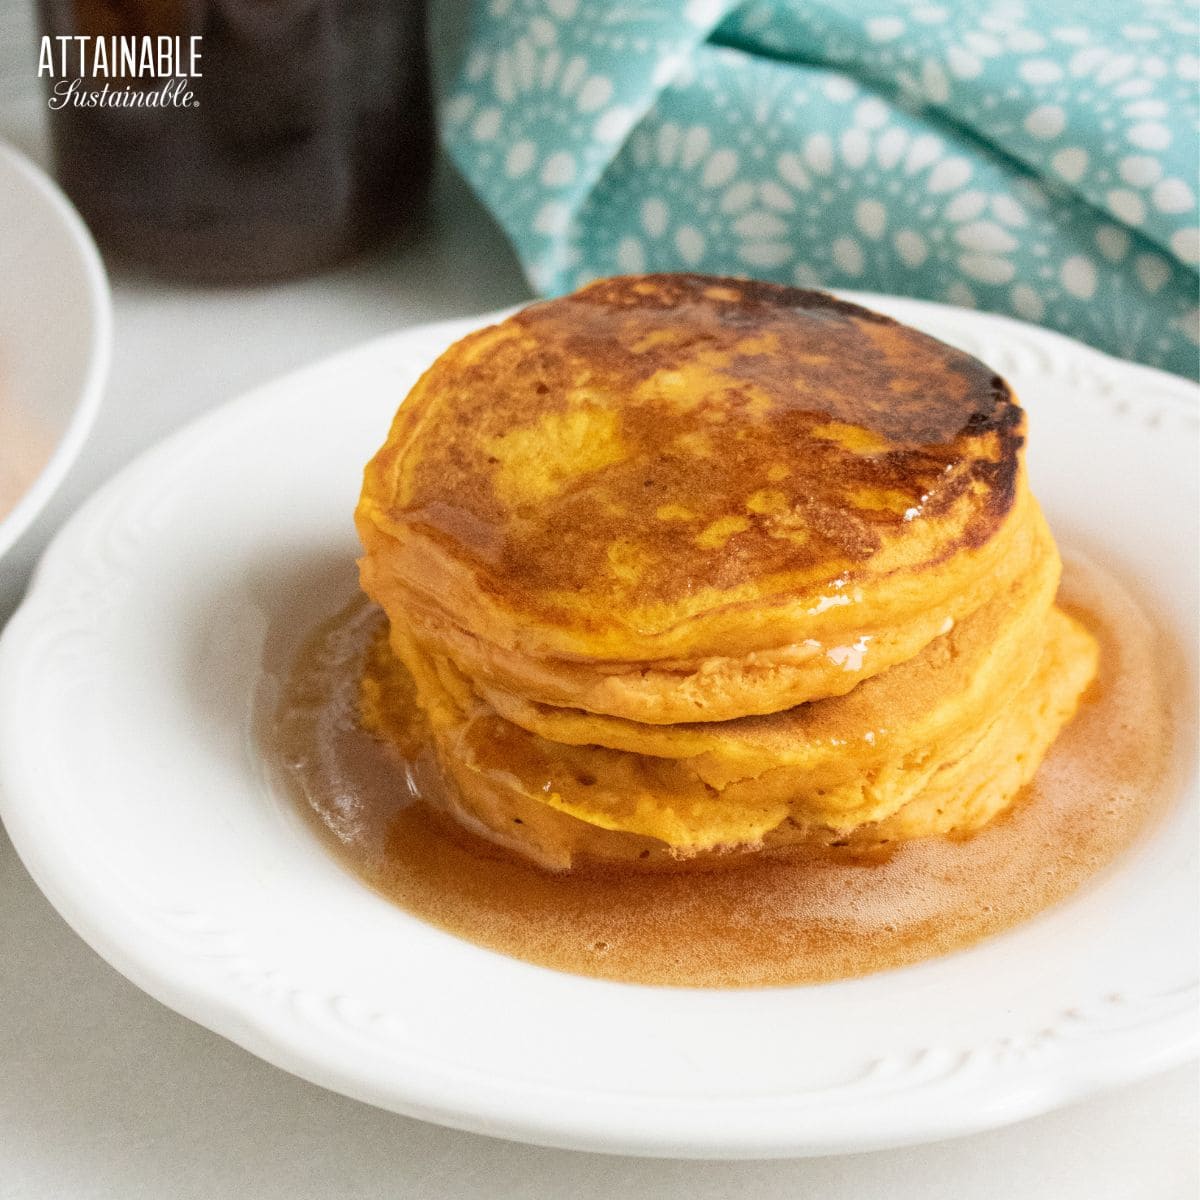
1032 159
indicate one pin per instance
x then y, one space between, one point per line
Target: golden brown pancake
954 684
957 683
569 806
679 569
838 763
680 498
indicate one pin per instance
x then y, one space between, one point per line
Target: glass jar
252 140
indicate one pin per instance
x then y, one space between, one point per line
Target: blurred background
1034 160
180 346
327 170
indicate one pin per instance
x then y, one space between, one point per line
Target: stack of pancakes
678 568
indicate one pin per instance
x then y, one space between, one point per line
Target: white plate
55 336
133 792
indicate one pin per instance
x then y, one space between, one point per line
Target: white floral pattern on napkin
1038 160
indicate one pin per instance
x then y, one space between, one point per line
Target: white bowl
55 339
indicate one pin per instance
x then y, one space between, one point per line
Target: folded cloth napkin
1038 159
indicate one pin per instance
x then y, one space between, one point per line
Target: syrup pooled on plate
786 917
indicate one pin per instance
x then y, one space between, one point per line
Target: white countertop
105 1093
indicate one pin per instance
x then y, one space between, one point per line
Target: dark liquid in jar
310 137
794 917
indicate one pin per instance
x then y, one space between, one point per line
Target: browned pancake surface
651 437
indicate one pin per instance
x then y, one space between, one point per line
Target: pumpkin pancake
680 498
958 675
566 806
840 763
679 569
